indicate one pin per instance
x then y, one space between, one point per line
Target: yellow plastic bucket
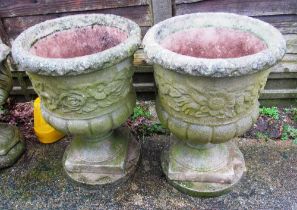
44 132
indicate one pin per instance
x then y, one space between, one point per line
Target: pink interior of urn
213 43
78 42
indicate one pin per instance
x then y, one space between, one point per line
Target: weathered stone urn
81 67
209 70
11 144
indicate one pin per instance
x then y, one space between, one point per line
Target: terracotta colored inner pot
213 43
78 42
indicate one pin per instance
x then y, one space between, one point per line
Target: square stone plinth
205 170
101 162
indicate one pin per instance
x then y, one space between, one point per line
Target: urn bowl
81 68
209 69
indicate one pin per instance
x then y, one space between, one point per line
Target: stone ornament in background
209 70
11 144
81 68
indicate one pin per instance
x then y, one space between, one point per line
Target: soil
269 128
21 115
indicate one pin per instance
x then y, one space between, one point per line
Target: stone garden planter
209 69
81 67
11 144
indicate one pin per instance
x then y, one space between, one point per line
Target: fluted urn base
100 160
11 145
203 170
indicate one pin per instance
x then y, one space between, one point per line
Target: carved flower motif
193 100
246 99
84 98
214 103
240 105
50 101
217 104
115 87
47 95
98 92
72 101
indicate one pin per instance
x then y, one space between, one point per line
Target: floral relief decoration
215 103
85 98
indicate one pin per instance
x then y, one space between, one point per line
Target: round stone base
11 145
205 188
109 160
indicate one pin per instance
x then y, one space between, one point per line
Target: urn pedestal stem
209 170
103 159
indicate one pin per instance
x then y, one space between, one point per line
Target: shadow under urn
12 145
209 69
81 68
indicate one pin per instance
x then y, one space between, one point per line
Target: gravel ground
37 181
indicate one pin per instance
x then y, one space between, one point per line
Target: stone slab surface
37 180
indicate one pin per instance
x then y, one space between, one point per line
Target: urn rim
215 67
75 65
